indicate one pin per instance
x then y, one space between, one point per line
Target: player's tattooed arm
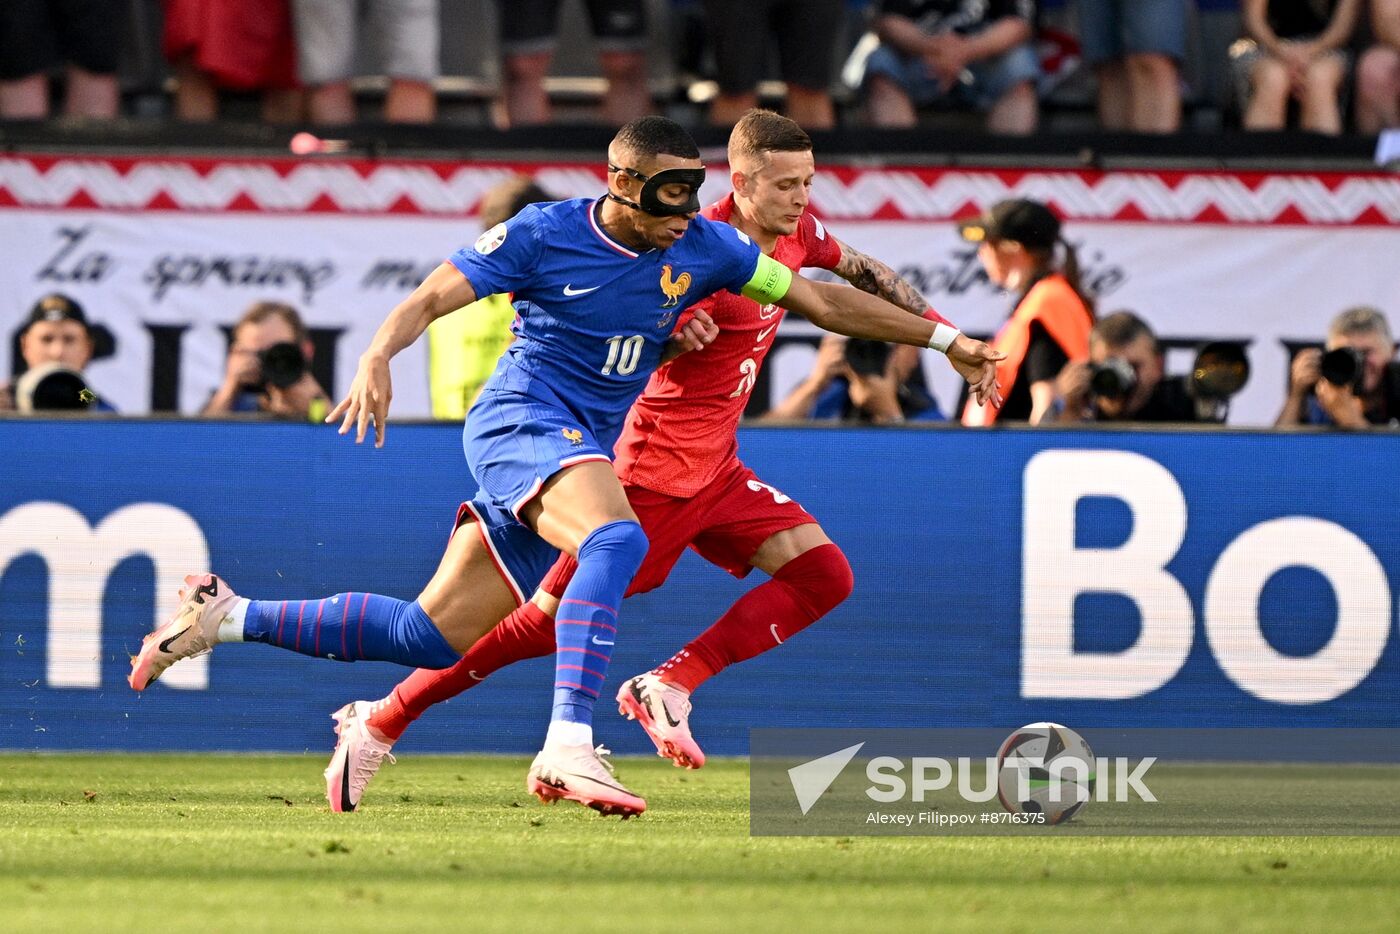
870 275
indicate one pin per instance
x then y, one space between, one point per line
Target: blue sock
586 625
351 627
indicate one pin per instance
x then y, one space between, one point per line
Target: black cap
57 307
1020 220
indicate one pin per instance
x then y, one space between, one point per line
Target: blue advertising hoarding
1098 578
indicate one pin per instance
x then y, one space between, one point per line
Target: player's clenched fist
367 400
695 334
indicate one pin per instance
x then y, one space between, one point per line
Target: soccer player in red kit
678 462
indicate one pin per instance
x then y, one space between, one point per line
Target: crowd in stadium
1323 65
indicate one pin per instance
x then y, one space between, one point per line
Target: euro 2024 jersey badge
490 240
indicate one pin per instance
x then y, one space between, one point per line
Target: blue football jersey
593 314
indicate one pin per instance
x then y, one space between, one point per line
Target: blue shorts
1109 29
521 556
514 443
990 78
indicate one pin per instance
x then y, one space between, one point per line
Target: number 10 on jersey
624 353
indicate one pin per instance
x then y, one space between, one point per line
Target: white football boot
663 710
357 757
580 773
193 630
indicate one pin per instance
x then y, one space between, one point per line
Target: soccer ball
1045 768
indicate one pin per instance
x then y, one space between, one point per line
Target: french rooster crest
674 288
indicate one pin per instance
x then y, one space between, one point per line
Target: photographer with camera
861 380
1354 383
1124 378
55 345
268 367
884 385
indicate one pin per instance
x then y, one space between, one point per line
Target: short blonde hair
760 131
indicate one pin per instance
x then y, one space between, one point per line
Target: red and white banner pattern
845 193
187 244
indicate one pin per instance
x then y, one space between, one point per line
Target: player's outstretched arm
445 290
854 313
871 275
868 274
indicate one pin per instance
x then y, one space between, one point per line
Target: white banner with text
167 253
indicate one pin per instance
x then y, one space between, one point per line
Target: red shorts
725 524
243 44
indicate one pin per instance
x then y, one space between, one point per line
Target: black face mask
650 201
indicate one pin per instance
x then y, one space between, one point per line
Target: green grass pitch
246 843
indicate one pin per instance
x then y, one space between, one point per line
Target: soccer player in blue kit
599 285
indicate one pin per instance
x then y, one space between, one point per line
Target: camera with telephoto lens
1221 369
867 357
51 387
1345 368
281 365
1113 379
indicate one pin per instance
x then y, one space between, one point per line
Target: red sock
802 592
525 633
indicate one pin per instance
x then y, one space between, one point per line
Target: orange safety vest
1063 314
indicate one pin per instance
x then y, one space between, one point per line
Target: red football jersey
682 429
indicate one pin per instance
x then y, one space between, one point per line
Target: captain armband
769 283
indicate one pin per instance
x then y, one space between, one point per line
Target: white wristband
943 337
